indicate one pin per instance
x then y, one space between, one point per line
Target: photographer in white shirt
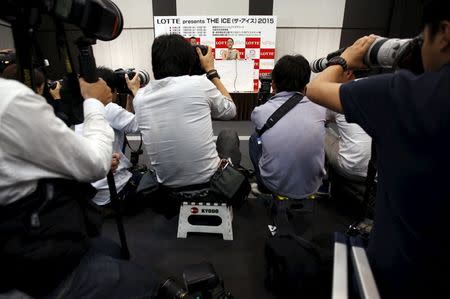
122 122
36 145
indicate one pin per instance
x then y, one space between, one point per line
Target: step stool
205 217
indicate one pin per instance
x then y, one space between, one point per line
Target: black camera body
201 282
264 91
120 83
7 57
197 68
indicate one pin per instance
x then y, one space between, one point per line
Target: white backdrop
254 36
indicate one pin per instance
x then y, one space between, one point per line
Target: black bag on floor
293 264
293 267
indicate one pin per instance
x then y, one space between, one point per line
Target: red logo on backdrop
241 53
252 42
256 63
267 54
194 210
255 84
221 42
264 72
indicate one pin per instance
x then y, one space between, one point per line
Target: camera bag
293 264
45 234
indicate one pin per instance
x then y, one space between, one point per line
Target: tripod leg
116 207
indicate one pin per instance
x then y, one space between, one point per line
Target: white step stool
205 210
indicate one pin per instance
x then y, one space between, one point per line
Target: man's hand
206 61
56 95
354 55
115 161
98 90
133 84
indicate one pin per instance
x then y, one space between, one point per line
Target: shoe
255 189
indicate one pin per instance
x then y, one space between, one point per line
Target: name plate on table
236 75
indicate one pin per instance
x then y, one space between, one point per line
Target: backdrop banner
254 37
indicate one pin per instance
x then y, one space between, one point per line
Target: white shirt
35 144
354 146
123 122
174 116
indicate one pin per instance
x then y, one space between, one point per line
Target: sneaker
255 189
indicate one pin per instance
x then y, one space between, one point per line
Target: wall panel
212 7
307 13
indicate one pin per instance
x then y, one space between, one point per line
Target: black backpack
294 265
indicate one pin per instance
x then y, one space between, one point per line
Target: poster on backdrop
253 38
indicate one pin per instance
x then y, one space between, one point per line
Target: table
245 103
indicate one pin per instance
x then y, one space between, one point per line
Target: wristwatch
212 74
338 60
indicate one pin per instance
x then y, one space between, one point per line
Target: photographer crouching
123 122
408 116
45 247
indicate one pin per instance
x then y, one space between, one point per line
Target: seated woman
230 53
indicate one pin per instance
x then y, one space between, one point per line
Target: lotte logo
252 42
221 42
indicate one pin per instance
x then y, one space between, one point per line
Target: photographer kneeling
45 214
408 117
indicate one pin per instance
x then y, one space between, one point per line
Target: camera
100 19
7 57
30 20
201 282
384 53
264 91
119 79
52 84
197 68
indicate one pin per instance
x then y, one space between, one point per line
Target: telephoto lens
170 289
384 52
120 82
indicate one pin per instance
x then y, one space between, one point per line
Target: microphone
320 64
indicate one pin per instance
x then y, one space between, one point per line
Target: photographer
123 122
174 115
348 149
45 249
408 116
286 161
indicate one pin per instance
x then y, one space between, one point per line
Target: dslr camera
264 91
7 57
121 84
201 282
197 68
385 53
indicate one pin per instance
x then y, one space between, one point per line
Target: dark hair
434 12
193 37
108 76
13 72
172 56
291 73
231 39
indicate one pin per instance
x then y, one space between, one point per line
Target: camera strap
370 178
280 112
134 156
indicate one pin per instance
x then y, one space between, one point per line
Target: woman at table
230 53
